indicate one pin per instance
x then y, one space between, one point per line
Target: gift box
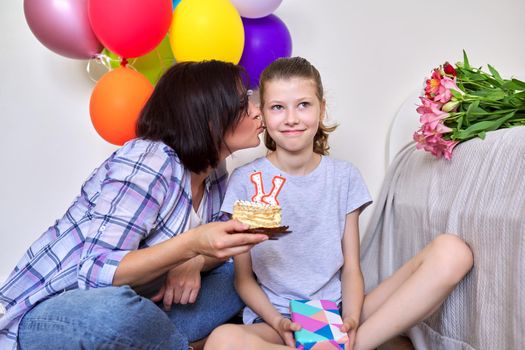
321 323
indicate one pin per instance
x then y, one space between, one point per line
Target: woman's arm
351 276
215 240
137 183
181 285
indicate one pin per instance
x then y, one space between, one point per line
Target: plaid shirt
139 197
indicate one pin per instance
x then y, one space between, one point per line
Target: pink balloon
63 27
255 8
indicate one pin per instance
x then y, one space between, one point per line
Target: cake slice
256 214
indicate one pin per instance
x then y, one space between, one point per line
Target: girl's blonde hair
296 67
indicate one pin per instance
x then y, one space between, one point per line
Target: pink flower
428 104
446 84
439 128
461 102
431 112
433 84
449 146
433 142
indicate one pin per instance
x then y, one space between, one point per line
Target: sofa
479 195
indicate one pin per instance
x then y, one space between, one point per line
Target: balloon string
88 69
100 58
105 60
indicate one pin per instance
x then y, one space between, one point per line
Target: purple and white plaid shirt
139 197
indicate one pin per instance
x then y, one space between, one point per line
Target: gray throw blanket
480 196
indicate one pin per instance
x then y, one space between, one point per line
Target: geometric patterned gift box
320 321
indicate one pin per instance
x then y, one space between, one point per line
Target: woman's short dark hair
192 107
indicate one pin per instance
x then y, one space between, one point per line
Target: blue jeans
118 318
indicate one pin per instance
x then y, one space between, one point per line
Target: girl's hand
182 284
285 327
350 327
222 240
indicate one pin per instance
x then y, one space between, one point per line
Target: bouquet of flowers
462 102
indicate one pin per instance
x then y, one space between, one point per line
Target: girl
321 199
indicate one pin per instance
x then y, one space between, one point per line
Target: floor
397 343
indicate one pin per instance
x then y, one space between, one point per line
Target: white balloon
255 8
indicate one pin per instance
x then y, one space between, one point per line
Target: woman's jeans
118 318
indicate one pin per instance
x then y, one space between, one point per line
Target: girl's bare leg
259 336
414 291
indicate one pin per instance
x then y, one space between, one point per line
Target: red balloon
130 28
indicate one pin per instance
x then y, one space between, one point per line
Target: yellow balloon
206 29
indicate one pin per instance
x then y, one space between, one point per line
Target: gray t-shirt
306 263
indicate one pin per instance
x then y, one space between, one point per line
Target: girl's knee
453 255
228 336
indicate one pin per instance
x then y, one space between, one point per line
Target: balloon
155 63
267 39
116 102
63 27
151 65
130 28
206 29
256 8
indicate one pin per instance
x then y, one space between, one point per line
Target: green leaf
466 63
519 82
474 76
456 94
513 84
515 101
460 122
494 82
482 135
471 109
520 95
485 125
495 95
495 73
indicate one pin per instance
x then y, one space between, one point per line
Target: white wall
371 54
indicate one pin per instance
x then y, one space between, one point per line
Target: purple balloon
265 40
63 27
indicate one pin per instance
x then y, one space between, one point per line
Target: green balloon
152 65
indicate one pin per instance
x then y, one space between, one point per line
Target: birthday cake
257 214
261 217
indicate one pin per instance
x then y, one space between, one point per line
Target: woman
76 286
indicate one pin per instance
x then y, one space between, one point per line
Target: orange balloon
116 102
